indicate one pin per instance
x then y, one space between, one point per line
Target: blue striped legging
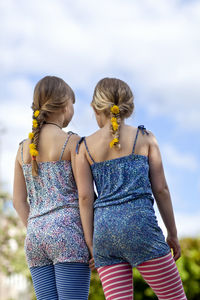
63 281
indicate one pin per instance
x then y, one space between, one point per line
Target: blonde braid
115 127
109 93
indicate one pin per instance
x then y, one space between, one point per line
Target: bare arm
162 196
19 192
86 195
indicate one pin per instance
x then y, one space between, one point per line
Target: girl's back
98 144
121 175
54 187
127 170
44 172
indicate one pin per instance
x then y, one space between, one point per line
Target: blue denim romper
125 225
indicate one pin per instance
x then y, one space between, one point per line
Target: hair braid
51 94
35 140
115 129
109 93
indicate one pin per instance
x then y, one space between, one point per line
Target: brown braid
50 95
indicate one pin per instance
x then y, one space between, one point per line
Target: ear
97 112
64 109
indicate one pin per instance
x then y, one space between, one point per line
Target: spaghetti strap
78 144
86 146
22 147
65 144
143 130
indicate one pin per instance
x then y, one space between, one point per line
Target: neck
54 123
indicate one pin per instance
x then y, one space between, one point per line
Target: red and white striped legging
161 274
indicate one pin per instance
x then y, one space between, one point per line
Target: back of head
114 93
51 94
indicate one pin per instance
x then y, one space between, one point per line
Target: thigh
163 277
117 281
44 282
72 281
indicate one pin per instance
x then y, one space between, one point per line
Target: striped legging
63 281
161 274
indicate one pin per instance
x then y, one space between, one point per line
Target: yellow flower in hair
32 146
33 152
35 123
31 135
36 113
115 109
113 119
113 142
115 126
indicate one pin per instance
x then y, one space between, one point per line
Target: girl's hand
91 261
91 264
173 243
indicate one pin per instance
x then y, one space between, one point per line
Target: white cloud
180 159
154 42
153 45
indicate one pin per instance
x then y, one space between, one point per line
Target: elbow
85 200
19 202
160 192
15 203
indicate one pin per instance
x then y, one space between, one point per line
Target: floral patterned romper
54 231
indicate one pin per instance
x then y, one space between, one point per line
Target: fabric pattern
54 231
125 225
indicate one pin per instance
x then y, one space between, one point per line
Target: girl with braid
122 233
56 251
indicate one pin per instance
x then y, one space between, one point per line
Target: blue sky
153 45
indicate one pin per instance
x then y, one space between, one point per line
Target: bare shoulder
73 140
148 137
151 139
22 145
94 135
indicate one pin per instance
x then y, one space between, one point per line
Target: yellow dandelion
113 142
36 113
35 123
32 146
31 135
115 109
113 119
115 126
33 152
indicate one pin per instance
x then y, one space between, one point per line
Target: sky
152 45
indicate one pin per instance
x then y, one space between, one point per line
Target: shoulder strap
78 144
86 146
143 130
22 147
65 144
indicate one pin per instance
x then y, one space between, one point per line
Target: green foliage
96 291
12 234
189 267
